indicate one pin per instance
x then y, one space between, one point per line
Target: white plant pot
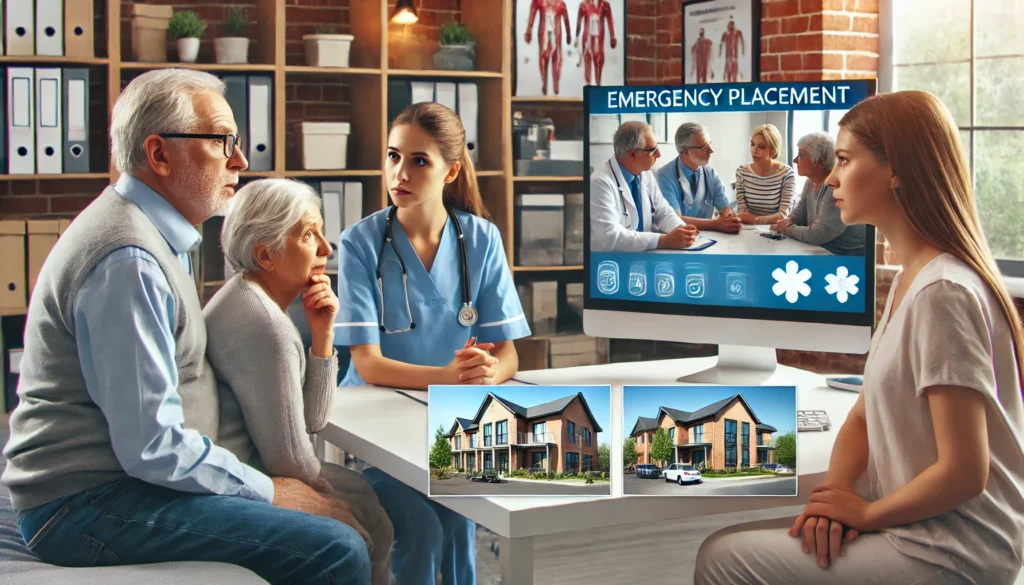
188 50
232 49
327 50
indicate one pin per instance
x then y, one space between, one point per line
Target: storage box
149 32
42 237
324 145
12 265
327 50
62 226
574 229
540 305
539 230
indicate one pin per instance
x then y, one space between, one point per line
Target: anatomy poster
562 45
720 42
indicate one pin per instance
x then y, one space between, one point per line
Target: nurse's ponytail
446 128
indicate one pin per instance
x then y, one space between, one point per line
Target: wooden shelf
257 174
340 173
490 173
13 312
546 100
238 67
43 59
331 70
60 177
568 268
546 179
444 73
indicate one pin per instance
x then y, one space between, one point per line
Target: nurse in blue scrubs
427 297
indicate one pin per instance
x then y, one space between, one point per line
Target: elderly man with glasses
692 187
112 459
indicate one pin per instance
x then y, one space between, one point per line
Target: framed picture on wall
562 45
721 41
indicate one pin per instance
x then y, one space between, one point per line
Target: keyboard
812 420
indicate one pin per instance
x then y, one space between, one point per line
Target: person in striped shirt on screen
765 188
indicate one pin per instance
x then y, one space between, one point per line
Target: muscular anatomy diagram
549 38
592 16
700 54
732 42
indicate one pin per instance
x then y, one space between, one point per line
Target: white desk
400 449
748 242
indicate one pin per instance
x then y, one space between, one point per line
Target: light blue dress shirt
713 198
124 324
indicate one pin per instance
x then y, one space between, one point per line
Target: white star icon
792 282
842 284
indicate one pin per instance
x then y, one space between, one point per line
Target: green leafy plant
441 451
325 29
237 23
186 25
454 33
661 447
785 449
629 454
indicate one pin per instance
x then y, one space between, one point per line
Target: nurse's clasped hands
473 364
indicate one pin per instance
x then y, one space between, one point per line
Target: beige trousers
363 503
763 553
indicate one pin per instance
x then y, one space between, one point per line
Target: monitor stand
738 365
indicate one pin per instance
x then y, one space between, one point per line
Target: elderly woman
815 220
765 187
273 393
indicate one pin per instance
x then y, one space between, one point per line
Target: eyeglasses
231 141
648 150
704 148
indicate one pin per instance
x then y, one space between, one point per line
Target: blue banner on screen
802 283
728 97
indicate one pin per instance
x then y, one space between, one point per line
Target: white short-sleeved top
948 331
435 297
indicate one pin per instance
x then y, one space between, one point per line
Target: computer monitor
750 292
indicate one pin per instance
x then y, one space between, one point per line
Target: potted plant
326 48
458 49
234 46
187 27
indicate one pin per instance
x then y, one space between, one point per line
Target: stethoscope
467 314
622 196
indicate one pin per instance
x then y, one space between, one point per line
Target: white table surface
389 431
748 242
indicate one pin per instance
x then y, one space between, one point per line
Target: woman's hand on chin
320 304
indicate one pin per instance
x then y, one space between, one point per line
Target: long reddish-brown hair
445 127
914 133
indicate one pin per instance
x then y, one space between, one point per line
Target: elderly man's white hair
155 102
820 148
685 134
631 136
263 212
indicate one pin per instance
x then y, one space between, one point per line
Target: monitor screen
741 141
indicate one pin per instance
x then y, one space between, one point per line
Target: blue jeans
429 538
128 521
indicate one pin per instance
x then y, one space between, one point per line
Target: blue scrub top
434 298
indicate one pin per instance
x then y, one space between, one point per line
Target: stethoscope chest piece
467 315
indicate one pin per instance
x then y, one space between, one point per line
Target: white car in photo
681 473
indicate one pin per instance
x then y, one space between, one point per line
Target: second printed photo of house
519 440
709 440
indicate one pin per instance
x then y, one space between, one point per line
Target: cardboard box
149 32
62 226
12 265
42 237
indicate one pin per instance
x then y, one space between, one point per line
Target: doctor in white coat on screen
622 185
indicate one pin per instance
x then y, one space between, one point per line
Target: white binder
353 204
422 91
49 27
21 27
49 123
469 113
21 130
261 122
332 196
446 95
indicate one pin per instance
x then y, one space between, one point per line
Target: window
539 431
760 439
698 433
672 435
586 436
472 441
488 461
570 431
501 430
745 441
730 443
588 463
538 459
471 461
572 462
642 438
983 89
458 442
487 435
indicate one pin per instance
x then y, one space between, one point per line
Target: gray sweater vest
60 441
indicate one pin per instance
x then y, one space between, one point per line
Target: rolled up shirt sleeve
124 320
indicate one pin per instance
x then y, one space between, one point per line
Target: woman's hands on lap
835 516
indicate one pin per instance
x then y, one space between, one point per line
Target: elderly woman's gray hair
155 102
263 212
820 148
685 134
631 136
